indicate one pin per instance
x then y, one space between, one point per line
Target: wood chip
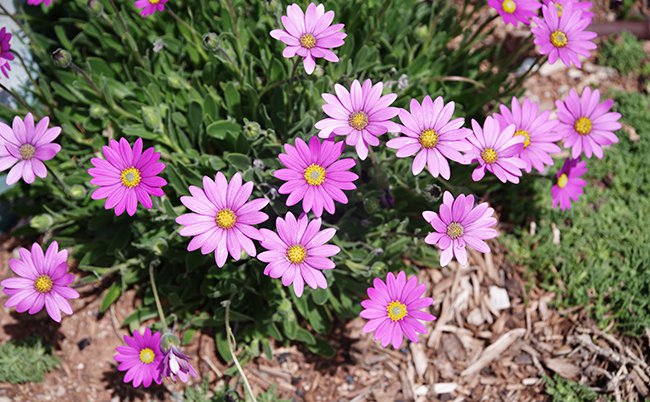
494 350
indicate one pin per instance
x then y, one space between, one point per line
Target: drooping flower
394 309
569 185
127 176
39 2
5 52
43 280
310 35
297 252
25 146
175 363
587 124
538 130
496 151
361 115
149 7
223 217
431 136
315 175
564 36
583 6
141 358
458 224
515 11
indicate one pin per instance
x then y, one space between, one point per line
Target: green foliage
232 110
603 259
624 53
562 390
202 393
25 361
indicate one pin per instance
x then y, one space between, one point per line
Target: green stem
195 35
232 346
39 91
17 98
161 313
129 37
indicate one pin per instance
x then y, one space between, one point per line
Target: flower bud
62 58
211 41
42 222
168 340
151 118
97 111
252 129
77 191
95 7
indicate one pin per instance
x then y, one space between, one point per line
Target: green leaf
239 161
112 294
219 129
195 117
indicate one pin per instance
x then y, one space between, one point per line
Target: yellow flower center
455 230
489 155
563 180
526 137
558 39
27 151
296 254
583 126
226 218
428 138
307 41
358 120
154 2
147 355
509 6
43 284
396 310
131 177
559 9
315 174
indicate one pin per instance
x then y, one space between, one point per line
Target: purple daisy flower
432 136
310 35
587 125
583 6
25 146
496 151
394 309
140 358
175 363
458 224
127 176
297 252
361 115
515 11
39 2
569 185
564 36
222 217
538 130
149 7
5 52
315 175
43 280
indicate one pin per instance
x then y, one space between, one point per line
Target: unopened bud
42 222
77 191
62 58
151 117
95 7
97 111
211 41
168 340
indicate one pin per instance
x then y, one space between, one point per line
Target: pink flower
569 184
297 252
222 218
310 35
496 151
25 146
587 124
563 37
431 136
583 6
43 280
175 363
361 115
38 2
5 52
459 224
141 358
315 175
538 130
127 176
394 309
515 11
149 7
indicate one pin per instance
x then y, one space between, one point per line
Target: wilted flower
583 6
158 45
360 115
459 224
569 185
43 280
127 176
62 58
5 52
25 146
515 11
175 362
496 150
315 175
141 358
587 124
149 7
431 136
222 217
310 35
297 252
394 309
538 130
564 36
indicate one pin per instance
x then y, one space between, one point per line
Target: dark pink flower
5 52
569 185
515 11
149 7
141 358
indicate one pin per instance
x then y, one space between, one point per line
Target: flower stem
195 35
17 98
231 347
152 279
